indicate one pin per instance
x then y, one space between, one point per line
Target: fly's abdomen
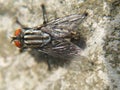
35 38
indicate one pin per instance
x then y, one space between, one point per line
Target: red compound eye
17 32
17 41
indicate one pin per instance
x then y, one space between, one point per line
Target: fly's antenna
45 20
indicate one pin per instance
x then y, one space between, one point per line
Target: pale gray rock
98 67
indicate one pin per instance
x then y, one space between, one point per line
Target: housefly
54 38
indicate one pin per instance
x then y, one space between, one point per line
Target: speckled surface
98 67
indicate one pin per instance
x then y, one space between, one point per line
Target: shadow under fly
56 39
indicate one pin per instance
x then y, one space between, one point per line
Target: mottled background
98 67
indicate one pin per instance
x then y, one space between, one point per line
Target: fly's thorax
35 38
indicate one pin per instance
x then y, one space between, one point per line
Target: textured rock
98 67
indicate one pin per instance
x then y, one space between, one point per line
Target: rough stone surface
98 67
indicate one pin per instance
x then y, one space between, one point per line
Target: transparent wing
68 19
64 27
61 49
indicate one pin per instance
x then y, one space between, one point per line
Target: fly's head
18 38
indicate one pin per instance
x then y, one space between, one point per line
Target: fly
53 38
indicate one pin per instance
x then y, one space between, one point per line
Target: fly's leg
48 63
18 22
45 20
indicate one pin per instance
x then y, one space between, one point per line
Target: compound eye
17 32
16 38
18 43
